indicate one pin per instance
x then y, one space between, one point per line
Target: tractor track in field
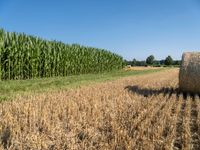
169 124
179 140
151 121
154 119
195 137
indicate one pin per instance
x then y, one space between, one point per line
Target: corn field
25 57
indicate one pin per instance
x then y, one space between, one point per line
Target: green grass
9 89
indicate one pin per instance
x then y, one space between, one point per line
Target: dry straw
189 76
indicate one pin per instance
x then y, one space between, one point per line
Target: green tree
177 62
134 62
169 61
150 60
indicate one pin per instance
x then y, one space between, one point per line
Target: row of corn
26 57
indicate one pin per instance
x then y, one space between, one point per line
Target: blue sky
131 28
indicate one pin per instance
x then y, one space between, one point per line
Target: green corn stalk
26 57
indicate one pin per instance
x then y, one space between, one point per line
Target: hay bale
189 75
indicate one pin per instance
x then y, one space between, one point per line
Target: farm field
134 112
138 68
9 89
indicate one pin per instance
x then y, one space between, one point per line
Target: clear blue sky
131 28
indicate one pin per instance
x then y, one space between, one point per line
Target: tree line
151 61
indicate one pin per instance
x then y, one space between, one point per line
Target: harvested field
137 68
141 112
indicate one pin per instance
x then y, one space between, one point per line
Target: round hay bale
189 75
